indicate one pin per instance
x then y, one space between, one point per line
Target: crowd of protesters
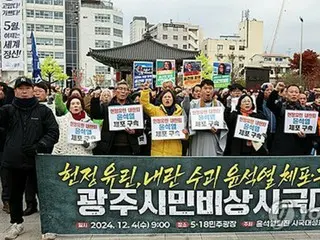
33 122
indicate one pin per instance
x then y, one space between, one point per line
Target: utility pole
300 63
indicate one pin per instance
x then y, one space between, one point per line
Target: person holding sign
239 146
286 144
168 107
211 142
75 106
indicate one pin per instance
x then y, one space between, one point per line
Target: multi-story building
278 64
179 35
236 49
46 18
100 26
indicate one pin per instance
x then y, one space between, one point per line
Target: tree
206 66
309 62
51 70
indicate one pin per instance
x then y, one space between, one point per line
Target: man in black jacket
115 142
31 129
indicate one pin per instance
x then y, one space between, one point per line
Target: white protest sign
78 132
165 128
207 118
234 103
126 116
305 121
250 128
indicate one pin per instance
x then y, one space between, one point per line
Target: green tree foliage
206 66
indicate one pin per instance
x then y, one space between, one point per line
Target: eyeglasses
122 89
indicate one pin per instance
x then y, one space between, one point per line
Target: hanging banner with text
250 128
166 71
126 116
207 118
296 121
142 72
165 128
132 195
11 35
221 75
191 73
83 131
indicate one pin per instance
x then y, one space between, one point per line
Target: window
206 47
175 45
117 32
58 29
43 54
58 2
220 47
30 27
44 14
241 65
102 70
185 46
241 48
117 44
30 68
44 28
175 37
58 15
102 17
267 59
279 59
102 31
58 42
232 47
102 44
59 55
44 41
185 38
164 37
30 13
48 2
117 20
30 1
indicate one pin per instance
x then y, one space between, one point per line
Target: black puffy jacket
30 126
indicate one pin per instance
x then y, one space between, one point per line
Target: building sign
221 74
142 72
126 116
11 35
191 73
166 128
83 131
296 121
207 118
132 195
166 71
173 25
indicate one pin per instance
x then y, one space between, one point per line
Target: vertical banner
165 72
191 73
221 74
142 72
11 35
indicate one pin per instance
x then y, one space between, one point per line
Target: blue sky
222 17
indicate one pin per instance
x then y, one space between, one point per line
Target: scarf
25 103
170 110
246 113
79 116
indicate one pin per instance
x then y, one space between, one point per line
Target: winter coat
65 148
237 146
29 126
286 144
161 147
107 137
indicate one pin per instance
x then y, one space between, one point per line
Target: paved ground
32 232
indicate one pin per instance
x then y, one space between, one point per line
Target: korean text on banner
83 131
207 118
191 73
165 72
250 128
165 128
221 74
128 116
142 72
11 35
305 121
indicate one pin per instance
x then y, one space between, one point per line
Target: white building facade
100 27
238 48
179 35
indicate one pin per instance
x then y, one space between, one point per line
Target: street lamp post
300 63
